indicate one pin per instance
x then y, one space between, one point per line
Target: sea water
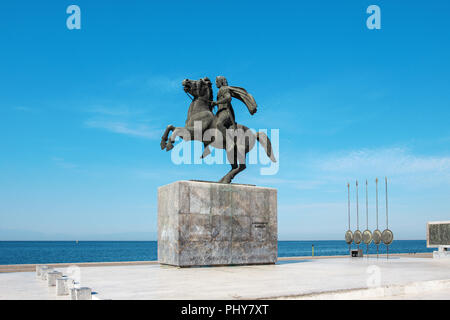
32 252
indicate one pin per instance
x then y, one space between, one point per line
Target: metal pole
348 193
367 207
348 187
357 208
376 184
367 215
387 221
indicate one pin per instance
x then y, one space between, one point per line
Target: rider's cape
245 97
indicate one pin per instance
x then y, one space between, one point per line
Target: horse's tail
267 145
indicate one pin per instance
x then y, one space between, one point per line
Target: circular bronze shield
357 237
367 236
387 237
376 236
349 237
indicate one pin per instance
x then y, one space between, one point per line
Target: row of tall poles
367 236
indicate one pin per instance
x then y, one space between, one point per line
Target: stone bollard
72 289
44 273
39 269
82 293
51 278
63 286
73 293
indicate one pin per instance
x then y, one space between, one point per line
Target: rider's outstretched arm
226 98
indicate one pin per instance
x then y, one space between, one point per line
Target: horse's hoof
169 146
163 144
225 180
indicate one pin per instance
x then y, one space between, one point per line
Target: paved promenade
400 277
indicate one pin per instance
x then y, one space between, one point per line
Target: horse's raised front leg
166 135
181 132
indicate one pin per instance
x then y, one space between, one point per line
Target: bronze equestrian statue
225 133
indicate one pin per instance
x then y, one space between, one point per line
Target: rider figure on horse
224 117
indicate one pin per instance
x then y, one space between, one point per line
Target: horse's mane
210 90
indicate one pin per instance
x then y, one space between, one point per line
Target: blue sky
82 111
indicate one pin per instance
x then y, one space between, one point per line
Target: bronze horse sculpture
237 141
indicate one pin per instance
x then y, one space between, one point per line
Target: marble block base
442 253
206 224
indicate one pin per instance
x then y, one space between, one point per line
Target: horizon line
75 240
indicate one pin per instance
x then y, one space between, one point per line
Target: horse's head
201 88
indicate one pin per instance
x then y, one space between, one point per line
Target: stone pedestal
206 224
442 253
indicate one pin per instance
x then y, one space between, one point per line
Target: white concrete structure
44 272
51 278
442 253
336 278
83 293
63 286
73 293
39 269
